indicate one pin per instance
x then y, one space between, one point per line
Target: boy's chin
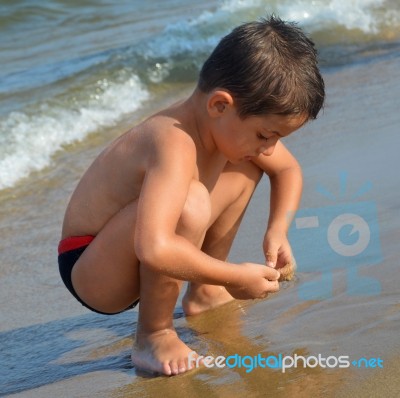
236 161
243 159
239 160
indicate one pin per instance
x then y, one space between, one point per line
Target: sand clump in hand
287 271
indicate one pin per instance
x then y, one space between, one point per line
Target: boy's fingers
273 286
282 260
272 274
271 258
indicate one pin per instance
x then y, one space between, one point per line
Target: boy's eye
261 137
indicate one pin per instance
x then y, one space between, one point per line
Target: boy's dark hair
268 66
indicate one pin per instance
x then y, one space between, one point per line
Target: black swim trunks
69 251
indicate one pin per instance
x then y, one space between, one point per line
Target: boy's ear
218 102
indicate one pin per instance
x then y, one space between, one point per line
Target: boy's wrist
278 227
235 277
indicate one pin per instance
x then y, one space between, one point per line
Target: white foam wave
29 141
369 16
366 15
195 37
192 37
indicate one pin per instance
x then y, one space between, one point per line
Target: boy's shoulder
164 129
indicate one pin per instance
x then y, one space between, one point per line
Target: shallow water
51 346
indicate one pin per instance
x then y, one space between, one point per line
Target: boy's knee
248 176
253 173
197 210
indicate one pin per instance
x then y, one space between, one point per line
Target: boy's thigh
106 276
234 188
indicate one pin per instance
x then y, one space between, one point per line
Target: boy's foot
162 352
200 298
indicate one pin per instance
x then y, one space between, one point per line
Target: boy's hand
277 249
257 281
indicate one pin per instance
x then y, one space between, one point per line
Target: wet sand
51 346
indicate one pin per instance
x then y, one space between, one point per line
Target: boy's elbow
293 169
294 174
292 165
297 170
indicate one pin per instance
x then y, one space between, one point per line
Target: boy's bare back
116 176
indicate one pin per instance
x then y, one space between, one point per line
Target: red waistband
74 242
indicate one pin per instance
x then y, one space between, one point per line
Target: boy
163 202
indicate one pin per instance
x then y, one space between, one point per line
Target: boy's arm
170 170
286 181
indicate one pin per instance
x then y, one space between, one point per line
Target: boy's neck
195 107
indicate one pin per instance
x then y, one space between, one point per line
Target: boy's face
243 139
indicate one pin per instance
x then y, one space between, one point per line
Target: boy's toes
174 367
166 368
182 366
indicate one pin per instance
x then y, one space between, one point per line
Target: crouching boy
163 202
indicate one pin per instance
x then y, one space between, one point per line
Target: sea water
70 69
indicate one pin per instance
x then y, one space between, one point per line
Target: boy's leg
157 301
229 200
108 277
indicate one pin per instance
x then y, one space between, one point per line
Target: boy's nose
267 150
